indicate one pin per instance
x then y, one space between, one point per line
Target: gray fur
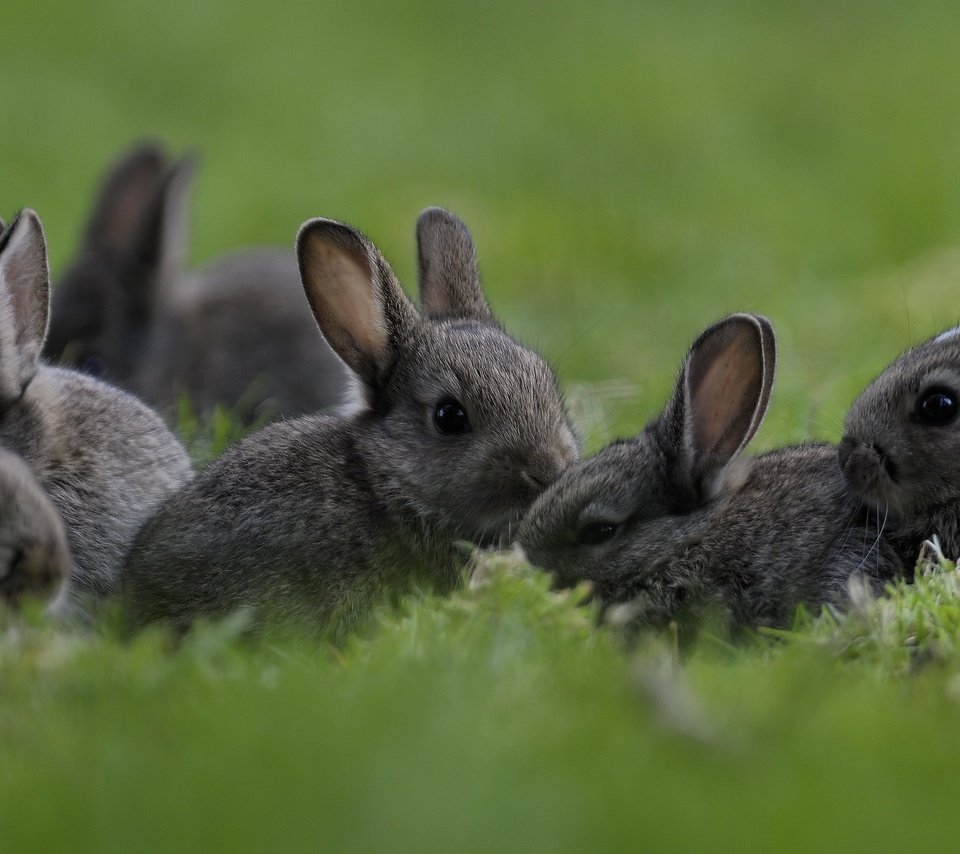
34 556
756 538
315 518
906 469
105 460
232 333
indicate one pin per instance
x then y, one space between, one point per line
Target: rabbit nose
862 464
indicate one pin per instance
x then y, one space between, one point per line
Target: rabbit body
34 556
787 533
458 430
234 333
104 458
674 520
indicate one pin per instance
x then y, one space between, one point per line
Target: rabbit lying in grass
460 429
105 460
234 333
675 521
901 448
34 556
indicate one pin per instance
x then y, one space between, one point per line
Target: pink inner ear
345 302
724 396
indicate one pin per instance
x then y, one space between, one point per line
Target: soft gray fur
34 555
673 521
315 518
103 457
233 333
904 466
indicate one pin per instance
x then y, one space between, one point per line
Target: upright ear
159 242
129 188
355 298
24 303
722 392
449 279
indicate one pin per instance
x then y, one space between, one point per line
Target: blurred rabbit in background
237 332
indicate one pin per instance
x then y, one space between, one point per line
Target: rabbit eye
451 418
938 407
595 533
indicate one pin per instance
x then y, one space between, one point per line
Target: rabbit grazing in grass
315 518
901 447
34 556
105 460
234 333
673 521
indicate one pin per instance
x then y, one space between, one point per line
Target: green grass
630 171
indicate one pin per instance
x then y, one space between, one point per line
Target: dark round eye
92 365
450 417
937 406
595 533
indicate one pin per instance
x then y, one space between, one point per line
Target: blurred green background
630 171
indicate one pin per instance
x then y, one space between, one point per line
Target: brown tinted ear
722 392
355 298
728 383
129 188
24 302
449 278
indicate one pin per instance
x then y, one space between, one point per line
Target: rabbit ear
723 392
449 279
355 298
159 243
24 302
129 189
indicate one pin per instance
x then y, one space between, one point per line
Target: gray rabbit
675 521
460 428
34 556
105 460
234 333
901 448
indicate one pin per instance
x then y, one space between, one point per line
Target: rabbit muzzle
868 470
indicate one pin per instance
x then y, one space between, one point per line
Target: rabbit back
288 520
238 333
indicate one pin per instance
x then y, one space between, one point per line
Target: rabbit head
133 245
466 426
34 557
901 446
607 519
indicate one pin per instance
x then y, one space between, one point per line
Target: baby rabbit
901 447
105 460
234 333
460 428
673 520
34 557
